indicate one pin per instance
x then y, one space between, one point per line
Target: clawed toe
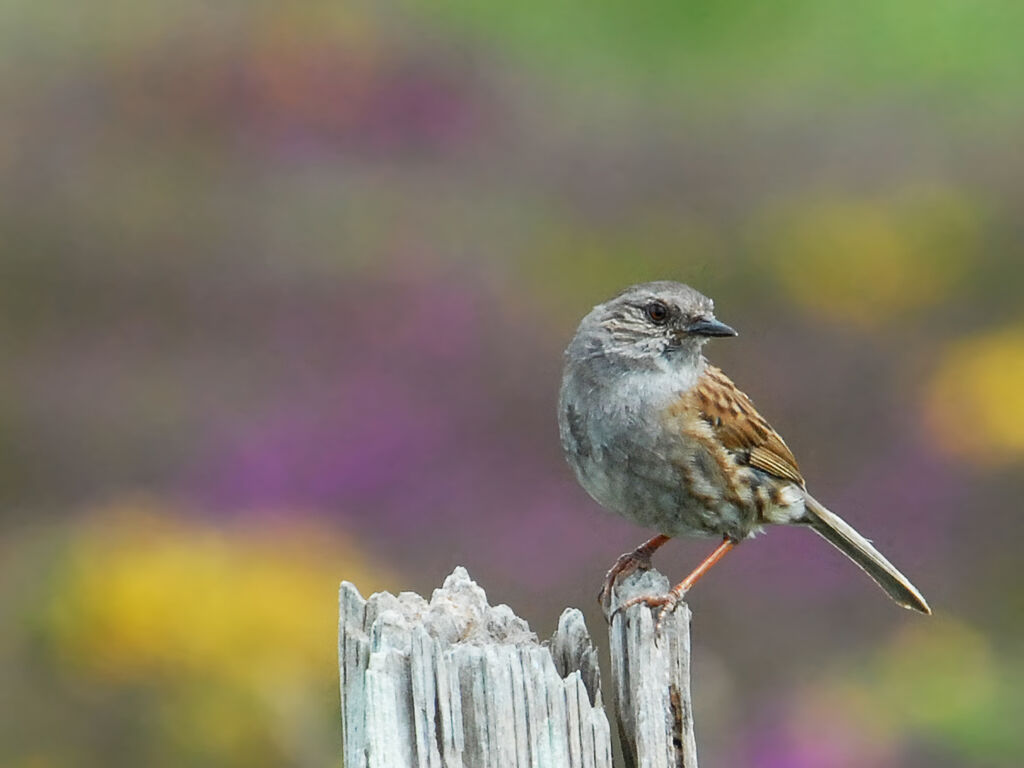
625 565
666 602
638 559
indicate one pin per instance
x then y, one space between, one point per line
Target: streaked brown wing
741 428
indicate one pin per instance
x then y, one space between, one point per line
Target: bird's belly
673 499
636 464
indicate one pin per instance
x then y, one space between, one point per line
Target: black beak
710 327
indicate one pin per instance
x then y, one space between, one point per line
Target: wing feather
739 426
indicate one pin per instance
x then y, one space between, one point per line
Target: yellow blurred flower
867 261
937 674
938 679
231 628
145 593
975 401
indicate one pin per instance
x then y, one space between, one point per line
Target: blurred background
284 289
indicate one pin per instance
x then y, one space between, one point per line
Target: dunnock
660 436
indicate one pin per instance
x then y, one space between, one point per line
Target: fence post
457 683
651 677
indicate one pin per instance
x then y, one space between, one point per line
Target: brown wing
739 426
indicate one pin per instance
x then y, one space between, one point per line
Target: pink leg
675 595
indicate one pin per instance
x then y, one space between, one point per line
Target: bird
659 435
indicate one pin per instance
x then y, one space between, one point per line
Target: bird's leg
672 598
629 562
684 586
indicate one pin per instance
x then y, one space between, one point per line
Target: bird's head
650 323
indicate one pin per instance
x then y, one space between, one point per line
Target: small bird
657 434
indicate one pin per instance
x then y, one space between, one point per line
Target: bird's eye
656 312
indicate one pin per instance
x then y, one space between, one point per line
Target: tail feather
844 538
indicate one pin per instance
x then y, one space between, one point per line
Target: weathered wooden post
651 677
457 683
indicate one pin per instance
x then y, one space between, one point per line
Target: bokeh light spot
233 625
146 592
937 678
866 262
974 406
937 674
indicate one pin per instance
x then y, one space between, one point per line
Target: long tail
844 538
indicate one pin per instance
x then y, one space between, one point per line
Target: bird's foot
667 602
638 559
627 563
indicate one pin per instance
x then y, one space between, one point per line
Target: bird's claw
667 602
625 565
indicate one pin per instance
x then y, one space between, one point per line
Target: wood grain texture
651 677
457 683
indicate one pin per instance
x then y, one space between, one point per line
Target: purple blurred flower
413 429
821 742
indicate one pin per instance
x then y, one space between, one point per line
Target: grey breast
614 437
